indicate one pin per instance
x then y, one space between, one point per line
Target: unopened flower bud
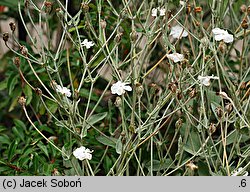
118 37
118 102
103 24
12 26
243 8
222 47
178 123
6 36
22 101
192 93
17 61
139 89
133 36
229 107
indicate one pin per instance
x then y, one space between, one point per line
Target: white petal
176 57
228 38
178 32
154 12
162 11
127 88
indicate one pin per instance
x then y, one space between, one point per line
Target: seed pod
188 9
243 8
191 166
229 107
103 24
12 26
118 101
118 37
178 123
173 86
38 91
244 24
24 51
192 93
48 6
212 128
198 9
6 36
219 112
179 94
248 10
222 47
22 101
133 36
85 7
139 89
17 61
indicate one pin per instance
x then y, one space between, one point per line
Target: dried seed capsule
17 61
243 8
48 6
229 107
22 101
192 93
133 36
103 24
219 112
38 91
188 9
212 128
244 24
118 102
139 89
6 36
12 26
85 7
24 50
198 9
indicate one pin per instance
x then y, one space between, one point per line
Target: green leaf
3 85
109 141
18 132
12 81
118 146
28 94
95 118
12 150
85 93
4 139
43 148
20 124
52 106
193 143
159 165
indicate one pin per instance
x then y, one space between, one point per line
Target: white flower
237 172
162 11
154 12
82 153
176 57
206 79
182 3
119 88
63 90
87 43
178 32
220 34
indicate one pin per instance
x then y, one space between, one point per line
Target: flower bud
192 93
178 123
103 24
12 26
139 89
118 37
222 47
219 112
118 102
173 86
133 36
229 107
243 8
6 36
